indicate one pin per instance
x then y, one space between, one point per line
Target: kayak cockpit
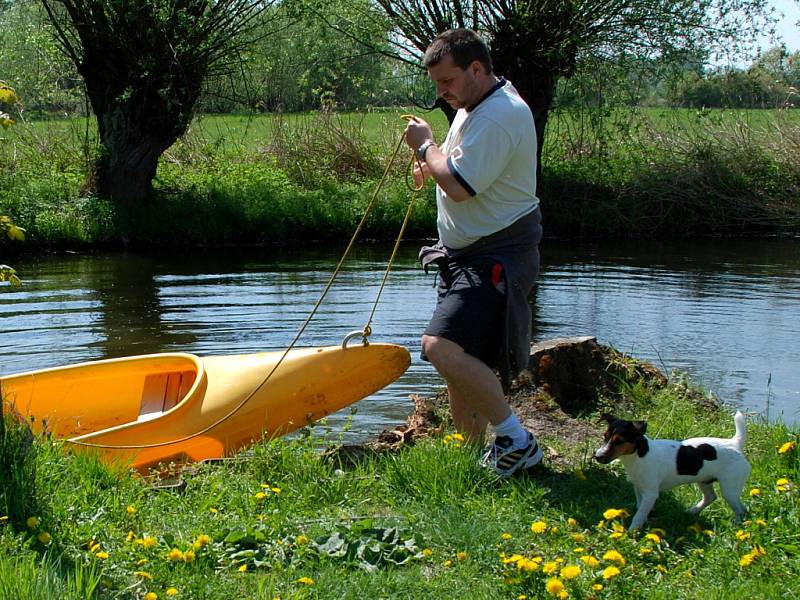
88 397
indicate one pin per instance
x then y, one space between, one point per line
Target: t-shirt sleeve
482 156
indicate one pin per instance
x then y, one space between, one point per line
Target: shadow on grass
587 499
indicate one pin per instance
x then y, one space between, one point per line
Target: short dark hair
464 45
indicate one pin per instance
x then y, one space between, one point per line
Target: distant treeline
307 65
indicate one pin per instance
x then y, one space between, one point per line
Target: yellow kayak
156 408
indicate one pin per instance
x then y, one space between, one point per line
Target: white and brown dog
656 465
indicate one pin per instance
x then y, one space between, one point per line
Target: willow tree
143 63
537 42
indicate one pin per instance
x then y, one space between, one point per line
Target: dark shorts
470 310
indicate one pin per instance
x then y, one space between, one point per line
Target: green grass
425 522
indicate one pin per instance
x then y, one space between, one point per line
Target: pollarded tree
537 42
143 63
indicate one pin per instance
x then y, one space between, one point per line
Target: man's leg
478 391
467 419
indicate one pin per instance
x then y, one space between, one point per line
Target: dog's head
622 437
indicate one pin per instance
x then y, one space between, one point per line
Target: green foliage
282 521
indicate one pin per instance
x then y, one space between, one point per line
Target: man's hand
417 131
421 173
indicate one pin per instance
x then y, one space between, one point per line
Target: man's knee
434 348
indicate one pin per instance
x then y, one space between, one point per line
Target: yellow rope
365 332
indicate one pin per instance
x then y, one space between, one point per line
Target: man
487 254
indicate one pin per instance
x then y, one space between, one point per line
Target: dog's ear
639 427
608 418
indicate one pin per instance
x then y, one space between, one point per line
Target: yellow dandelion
616 535
610 572
462 556
522 597
614 513
306 581
93 547
4 518
759 551
189 556
213 510
554 530
447 439
614 556
554 586
527 564
538 527
511 559
570 572
202 541
589 561
275 490
746 560
131 510
755 492
427 552
645 551
448 564
142 561
260 496
506 536
243 568
578 537
171 591
130 537
301 540
761 522
458 437
781 481
742 535
579 550
659 532
143 575
653 538
151 596
597 587
44 538
661 568
572 522
787 447
175 555
549 568
33 522
102 555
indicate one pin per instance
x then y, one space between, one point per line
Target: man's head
458 62
464 45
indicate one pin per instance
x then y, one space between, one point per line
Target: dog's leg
731 488
646 501
708 497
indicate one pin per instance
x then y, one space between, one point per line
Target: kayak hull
176 407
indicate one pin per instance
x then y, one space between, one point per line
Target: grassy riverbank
267 179
424 522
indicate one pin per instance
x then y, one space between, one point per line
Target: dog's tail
741 430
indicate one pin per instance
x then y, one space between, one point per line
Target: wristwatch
423 149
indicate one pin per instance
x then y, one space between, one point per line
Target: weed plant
285 520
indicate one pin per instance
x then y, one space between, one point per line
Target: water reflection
725 311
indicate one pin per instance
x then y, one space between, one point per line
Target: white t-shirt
491 151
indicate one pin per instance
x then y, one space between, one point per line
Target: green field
282 521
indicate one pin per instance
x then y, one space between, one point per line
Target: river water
727 312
